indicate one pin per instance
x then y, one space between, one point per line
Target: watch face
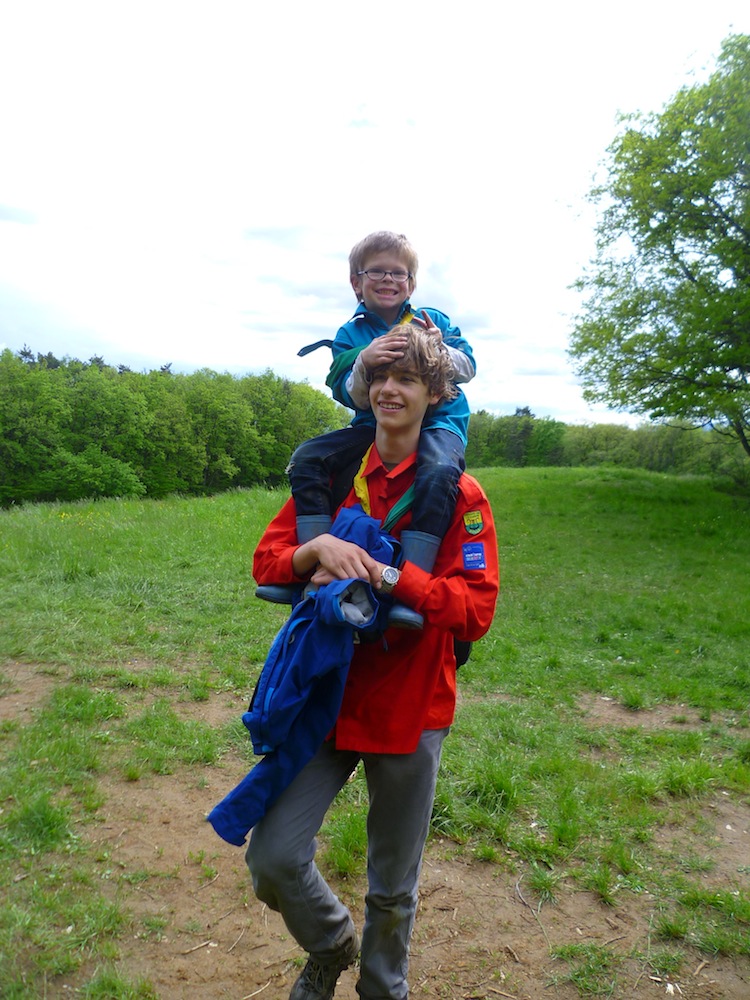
390 576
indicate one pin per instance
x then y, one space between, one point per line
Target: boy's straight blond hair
384 242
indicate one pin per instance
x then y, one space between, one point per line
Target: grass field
616 585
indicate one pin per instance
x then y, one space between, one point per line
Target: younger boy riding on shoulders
383 268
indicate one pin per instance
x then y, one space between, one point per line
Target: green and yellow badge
473 521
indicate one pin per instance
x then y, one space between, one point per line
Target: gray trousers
281 855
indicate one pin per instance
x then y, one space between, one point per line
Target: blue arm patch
474 555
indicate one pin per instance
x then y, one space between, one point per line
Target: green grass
118 581
622 584
615 584
344 832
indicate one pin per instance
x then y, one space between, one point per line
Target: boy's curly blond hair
426 356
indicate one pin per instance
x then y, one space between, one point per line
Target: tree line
680 448
71 430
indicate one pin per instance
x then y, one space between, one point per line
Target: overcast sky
181 182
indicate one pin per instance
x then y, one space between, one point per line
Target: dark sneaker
402 617
318 981
277 593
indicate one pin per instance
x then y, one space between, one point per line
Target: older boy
399 698
383 270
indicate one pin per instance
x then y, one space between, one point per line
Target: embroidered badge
473 522
474 555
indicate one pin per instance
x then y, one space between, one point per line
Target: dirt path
201 934
477 936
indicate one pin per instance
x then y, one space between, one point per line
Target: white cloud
183 181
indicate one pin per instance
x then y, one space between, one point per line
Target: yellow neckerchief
363 495
360 484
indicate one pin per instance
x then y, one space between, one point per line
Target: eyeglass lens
375 274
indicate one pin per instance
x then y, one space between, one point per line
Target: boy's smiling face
384 297
399 399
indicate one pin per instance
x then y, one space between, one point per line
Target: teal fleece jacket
361 330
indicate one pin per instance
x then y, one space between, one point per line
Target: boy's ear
356 285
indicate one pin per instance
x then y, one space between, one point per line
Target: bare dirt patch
198 933
478 934
603 711
24 686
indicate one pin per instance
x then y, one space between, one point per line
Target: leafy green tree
545 445
34 418
108 410
665 329
477 449
599 444
519 428
517 440
509 437
224 424
172 459
668 447
91 473
285 414
314 413
64 431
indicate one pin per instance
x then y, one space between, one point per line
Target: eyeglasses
375 274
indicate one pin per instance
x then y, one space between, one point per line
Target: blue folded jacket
299 692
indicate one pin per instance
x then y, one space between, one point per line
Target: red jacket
407 682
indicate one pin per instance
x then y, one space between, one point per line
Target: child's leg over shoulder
440 462
317 462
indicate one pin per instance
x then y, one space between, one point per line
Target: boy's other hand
427 325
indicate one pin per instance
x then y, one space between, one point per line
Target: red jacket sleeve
272 561
460 594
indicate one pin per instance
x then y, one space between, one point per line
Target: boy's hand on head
383 350
427 325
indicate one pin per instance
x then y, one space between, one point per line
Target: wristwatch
389 578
